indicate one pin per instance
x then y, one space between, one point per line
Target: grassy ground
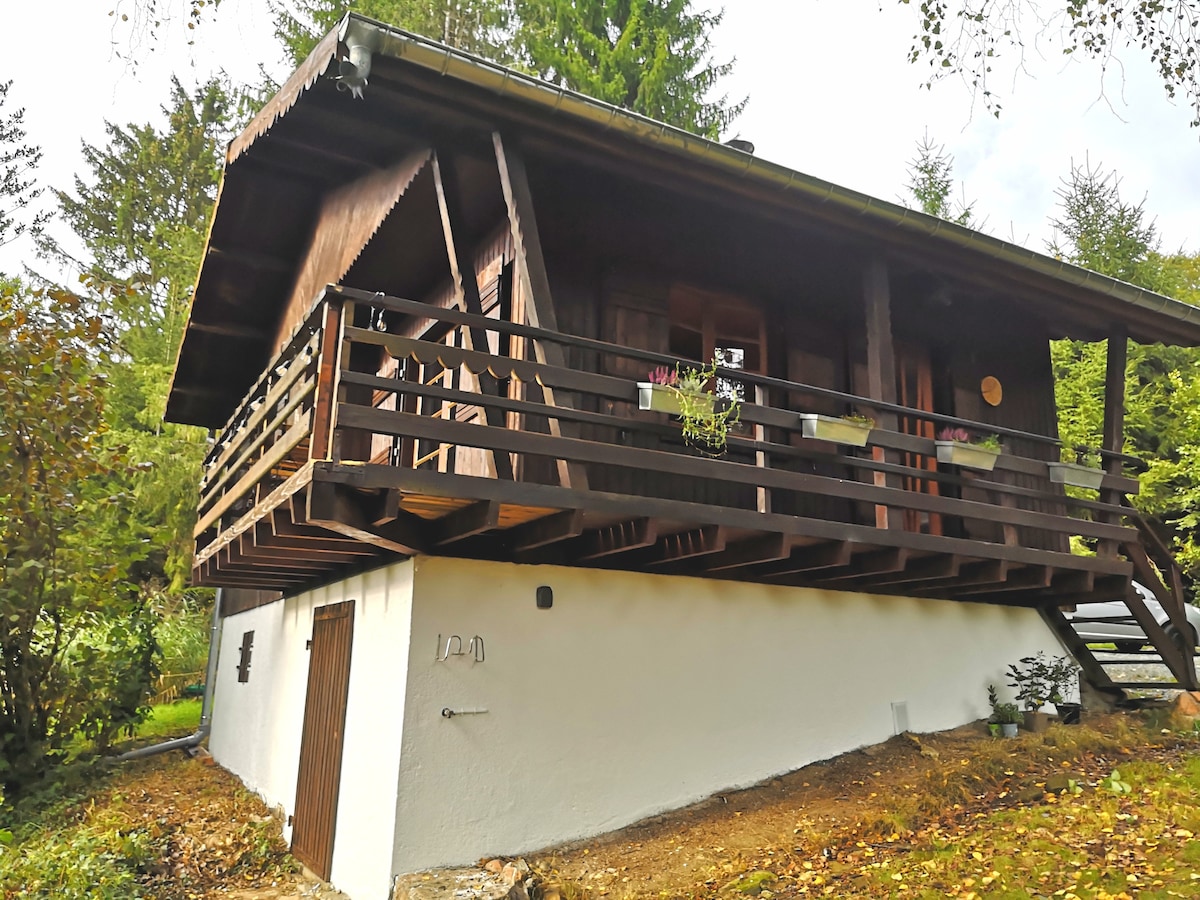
170 720
1101 811
166 827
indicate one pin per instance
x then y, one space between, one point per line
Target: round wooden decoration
992 390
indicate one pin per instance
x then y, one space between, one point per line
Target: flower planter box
969 456
839 431
1077 475
663 398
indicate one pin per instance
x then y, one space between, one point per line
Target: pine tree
142 213
931 181
649 56
475 26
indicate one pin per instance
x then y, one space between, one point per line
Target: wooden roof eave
555 117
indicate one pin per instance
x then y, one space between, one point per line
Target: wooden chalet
432 286
430 292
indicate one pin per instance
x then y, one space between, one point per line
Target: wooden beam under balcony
1029 578
689 545
478 518
779 529
806 560
921 571
336 508
619 538
265 535
878 562
548 530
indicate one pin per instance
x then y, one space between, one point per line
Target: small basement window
243 668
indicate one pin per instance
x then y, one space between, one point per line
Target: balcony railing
450 432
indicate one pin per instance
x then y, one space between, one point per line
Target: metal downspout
210 677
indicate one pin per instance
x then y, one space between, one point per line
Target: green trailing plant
705 419
859 420
1041 679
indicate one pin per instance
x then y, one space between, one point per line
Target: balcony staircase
1173 646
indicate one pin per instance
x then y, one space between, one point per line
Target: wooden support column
881 374
320 447
1113 438
447 181
535 285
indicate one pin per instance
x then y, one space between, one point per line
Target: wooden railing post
763 495
1114 422
320 446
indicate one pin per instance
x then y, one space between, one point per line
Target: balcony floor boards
539 523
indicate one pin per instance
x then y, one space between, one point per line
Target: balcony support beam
469 521
543 532
334 507
1113 434
619 538
448 184
535 285
881 372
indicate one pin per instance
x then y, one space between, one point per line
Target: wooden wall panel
349 217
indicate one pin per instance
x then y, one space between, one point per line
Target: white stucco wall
257 725
637 693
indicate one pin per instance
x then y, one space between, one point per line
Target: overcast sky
831 94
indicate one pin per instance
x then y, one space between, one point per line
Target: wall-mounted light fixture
545 597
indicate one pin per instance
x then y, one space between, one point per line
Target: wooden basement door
320 768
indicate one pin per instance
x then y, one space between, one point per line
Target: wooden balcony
389 427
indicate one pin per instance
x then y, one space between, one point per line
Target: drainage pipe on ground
210 677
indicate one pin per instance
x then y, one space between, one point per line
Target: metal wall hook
440 655
475 648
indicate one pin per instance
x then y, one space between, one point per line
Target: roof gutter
355 31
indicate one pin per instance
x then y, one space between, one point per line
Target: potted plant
662 392
684 392
850 430
1039 680
1005 716
959 447
1084 472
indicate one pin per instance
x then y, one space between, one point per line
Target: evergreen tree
649 56
1099 230
141 213
476 26
930 182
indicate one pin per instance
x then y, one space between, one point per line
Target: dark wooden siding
236 600
320 770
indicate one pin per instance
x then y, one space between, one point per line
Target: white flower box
831 428
664 398
1077 475
969 456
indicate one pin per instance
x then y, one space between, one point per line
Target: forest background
97 494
